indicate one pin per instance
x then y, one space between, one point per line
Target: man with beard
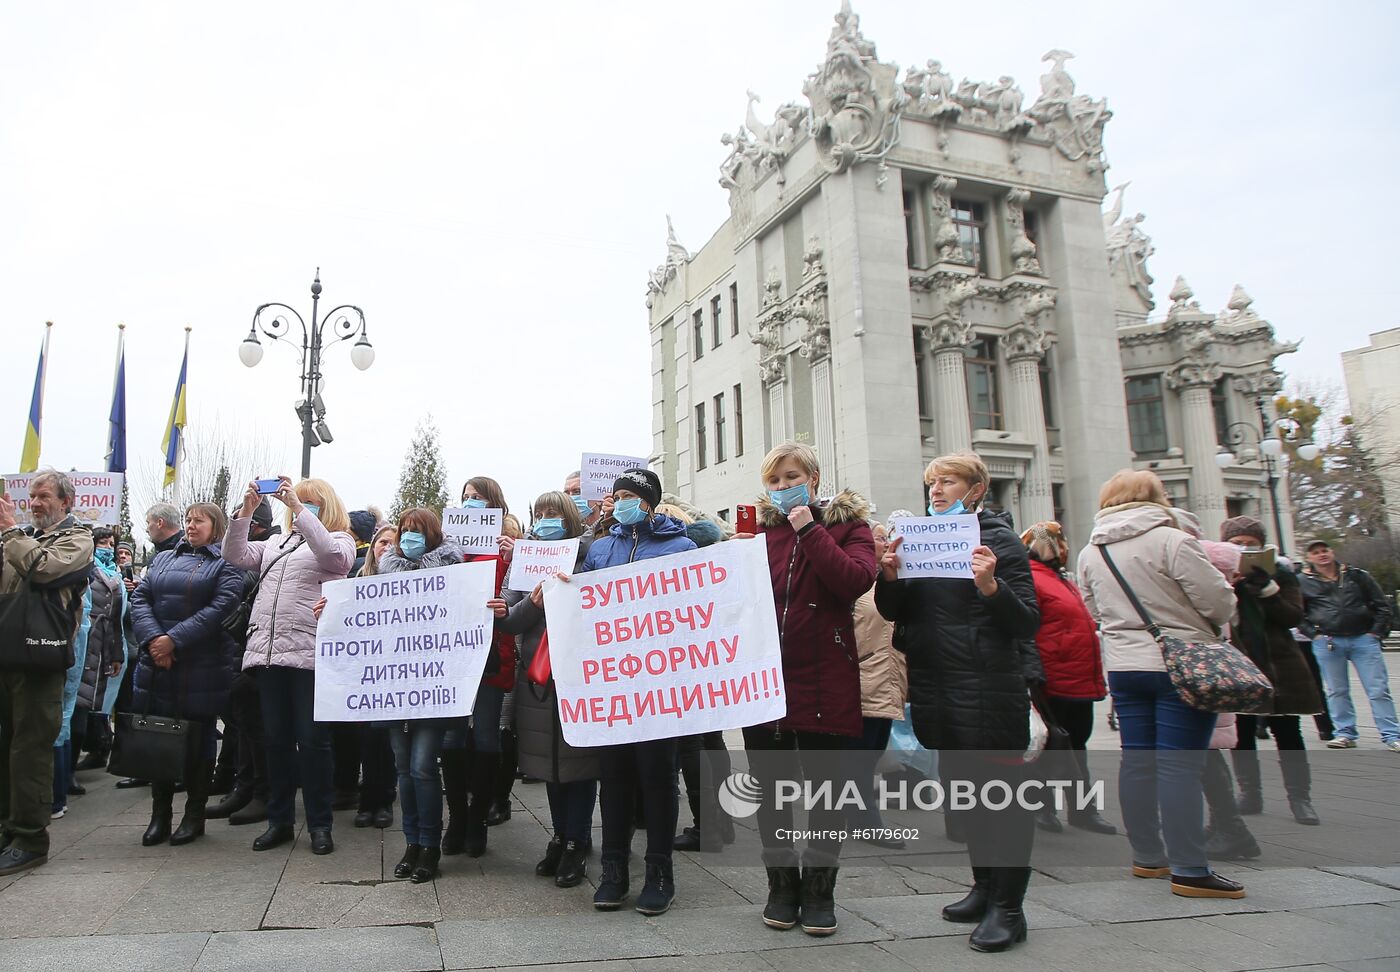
31 703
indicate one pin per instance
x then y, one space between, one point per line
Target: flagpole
116 374
180 451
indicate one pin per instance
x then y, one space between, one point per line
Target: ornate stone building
914 266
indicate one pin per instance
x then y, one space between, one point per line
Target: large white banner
407 645
667 647
598 471
532 561
937 546
98 503
476 531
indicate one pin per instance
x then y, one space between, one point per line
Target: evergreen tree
423 481
124 525
221 485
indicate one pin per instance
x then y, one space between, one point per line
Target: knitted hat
1242 526
644 483
262 516
362 525
127 547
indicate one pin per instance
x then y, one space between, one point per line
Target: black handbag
36 630
236 624
155 748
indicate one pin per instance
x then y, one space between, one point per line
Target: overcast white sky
489 182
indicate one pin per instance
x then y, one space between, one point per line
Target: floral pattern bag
1212 677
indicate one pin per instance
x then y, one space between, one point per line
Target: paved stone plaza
104 902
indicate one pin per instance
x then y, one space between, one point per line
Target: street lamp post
1270 449
311 410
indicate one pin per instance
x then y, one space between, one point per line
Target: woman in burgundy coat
1068 642
822 558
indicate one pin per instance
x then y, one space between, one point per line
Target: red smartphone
745 518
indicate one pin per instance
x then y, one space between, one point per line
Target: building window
733 310
1220 404
700 436
719 428
983 399
1033 227
699 321
910 228
1057 502
921 376
723 514
714 322
970 219
738 420
1147 418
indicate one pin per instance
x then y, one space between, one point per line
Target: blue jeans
1159 781
416 747
298 748
1364 652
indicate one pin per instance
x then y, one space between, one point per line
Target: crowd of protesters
218 628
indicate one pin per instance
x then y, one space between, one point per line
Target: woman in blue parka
648 768
186 659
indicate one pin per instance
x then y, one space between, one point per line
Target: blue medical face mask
107 558
550 528
583 508
950 511
629 511
414 545
786 500
475 503
313 509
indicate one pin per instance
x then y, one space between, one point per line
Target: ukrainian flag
29 461
116 419
175 428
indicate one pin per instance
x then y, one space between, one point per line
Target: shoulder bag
155 748
36 631
236 624
1212 677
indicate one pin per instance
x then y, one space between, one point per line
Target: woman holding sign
967 691
417 743
822 559
317 548
570 774
648 768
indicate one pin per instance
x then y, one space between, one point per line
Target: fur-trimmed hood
844 507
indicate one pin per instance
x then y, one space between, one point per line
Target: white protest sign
407 645
476 531
598 471
667 647
532 561
937 546
98 503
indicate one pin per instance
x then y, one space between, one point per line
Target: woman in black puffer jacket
965 641
187 658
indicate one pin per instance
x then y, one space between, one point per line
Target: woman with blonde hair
968 692
1139 551
317 547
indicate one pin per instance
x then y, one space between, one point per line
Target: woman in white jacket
1164 739
317 548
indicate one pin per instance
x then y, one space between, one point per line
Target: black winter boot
1004 924
237 799
784 897
426 867
612 883
549 864
819 900
454 785
481 784
1246 762
972 907
573 865
1227 836
404 868
196 800
1297 782
162 809
660 888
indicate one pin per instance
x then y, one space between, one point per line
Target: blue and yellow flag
175 428
33 429
116 419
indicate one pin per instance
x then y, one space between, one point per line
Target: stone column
1025 414
952 423
1207 499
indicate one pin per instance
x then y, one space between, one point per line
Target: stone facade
1374 398
914 267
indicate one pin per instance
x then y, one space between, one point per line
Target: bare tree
218 458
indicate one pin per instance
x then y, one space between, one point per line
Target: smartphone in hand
745 518
267 487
